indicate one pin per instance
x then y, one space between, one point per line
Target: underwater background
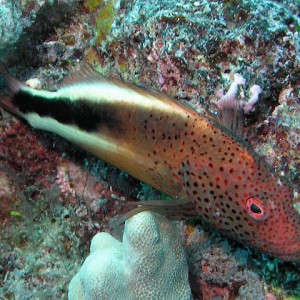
55 197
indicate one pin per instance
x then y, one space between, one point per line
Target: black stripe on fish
85 115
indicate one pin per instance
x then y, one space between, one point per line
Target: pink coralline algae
169 74
231 99
74 182
210 291
28 155
255 90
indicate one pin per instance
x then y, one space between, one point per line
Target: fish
210 172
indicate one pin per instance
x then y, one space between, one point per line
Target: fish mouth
290 252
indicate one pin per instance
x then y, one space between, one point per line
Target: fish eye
256 209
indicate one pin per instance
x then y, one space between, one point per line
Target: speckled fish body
169 146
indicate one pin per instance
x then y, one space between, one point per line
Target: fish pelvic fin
176 210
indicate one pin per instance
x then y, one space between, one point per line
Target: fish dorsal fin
84 74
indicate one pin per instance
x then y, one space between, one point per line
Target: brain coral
150 263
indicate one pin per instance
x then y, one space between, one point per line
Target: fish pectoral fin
178 209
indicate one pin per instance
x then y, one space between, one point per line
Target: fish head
272 219
247 201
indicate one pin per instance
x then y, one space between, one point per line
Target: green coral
104 17
92 5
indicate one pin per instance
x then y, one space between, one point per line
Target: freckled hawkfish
214 173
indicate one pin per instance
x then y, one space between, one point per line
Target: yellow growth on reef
104 16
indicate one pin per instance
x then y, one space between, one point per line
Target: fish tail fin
174 210
13 86
7 104
12 83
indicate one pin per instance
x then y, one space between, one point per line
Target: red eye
256 209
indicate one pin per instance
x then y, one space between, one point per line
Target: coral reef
278 137
27 20
187 49
10 25
149 263
221 268
103 13
37 164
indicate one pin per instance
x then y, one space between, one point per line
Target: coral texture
10 25
21 20
150 263
187 49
